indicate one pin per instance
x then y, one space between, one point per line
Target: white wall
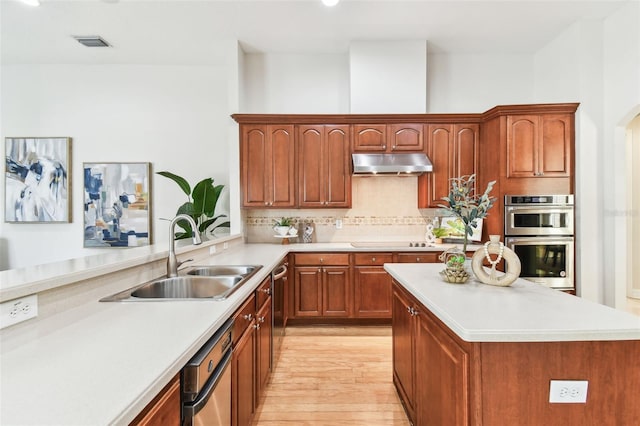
388 77
476 82
296 83
171 116
633 220
622 103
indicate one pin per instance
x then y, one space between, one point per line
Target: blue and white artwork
116 204
37 180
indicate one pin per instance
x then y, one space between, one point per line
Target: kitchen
140 113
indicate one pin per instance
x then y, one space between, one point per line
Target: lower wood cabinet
251 359
372 285
322 285
403 324
165 409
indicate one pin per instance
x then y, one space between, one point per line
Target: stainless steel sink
187 288
199 282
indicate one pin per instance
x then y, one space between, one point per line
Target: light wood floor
333 376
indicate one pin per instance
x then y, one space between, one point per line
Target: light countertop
102 363
522 312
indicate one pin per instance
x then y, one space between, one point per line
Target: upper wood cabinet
453 151
324 171
539 145
267 170
382 138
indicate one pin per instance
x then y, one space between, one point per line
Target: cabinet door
307 291
369 137
263 349
267 166
441 153
417 257
338 167
282 166
372 292
255 166
164 410
311 173
336 294
555 146
522 145
466 138
243 401
402 325
442 393
406 137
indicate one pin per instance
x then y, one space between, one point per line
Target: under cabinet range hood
391 164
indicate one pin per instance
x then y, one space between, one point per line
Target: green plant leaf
204 200
182 183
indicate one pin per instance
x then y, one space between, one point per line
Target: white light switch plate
18 310
568 391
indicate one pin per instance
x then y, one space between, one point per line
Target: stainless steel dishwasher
206 382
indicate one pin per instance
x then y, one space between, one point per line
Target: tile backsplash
383 209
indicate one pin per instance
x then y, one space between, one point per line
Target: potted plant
283 225
465 205
200 205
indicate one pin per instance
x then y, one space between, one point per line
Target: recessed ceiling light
92 41
330 2
31 2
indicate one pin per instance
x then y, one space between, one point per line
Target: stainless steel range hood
396 164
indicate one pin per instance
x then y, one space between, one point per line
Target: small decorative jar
454 271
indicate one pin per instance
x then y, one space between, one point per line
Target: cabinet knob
266 291
256 326
319 269
384 147
393 147
266 203
373 259
409 309
261 319
321 260
248 317
417 259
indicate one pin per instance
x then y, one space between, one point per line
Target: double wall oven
540 230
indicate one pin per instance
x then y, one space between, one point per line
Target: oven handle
277 274
537 240
191 409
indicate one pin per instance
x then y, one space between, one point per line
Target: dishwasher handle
280 272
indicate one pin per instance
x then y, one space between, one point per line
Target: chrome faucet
172 261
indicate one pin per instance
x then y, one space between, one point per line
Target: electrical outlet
225 245
212 250
338 223
568 391
18 310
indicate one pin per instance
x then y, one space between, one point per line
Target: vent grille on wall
92 41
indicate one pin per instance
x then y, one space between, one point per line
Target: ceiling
196 32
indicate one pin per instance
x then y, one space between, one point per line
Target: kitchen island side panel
516 378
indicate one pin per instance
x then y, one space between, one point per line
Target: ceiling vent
92 41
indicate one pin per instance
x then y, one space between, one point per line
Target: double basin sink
215 282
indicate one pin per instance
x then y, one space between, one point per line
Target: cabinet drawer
372 259
243 317
339 259
431 257
263 292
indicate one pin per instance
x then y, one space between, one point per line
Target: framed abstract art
37 180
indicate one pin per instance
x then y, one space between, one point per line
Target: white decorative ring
510 258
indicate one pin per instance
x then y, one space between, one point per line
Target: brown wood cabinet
165 409
324 166
396 137
243 360
453 151
322 285
372 285
539 145
252 349
267 160
403 324
417 257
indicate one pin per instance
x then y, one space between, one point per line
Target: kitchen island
475 354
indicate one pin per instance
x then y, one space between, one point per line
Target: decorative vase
493 252
281 230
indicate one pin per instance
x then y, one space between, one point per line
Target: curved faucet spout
172 261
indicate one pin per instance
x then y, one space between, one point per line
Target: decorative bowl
454 276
